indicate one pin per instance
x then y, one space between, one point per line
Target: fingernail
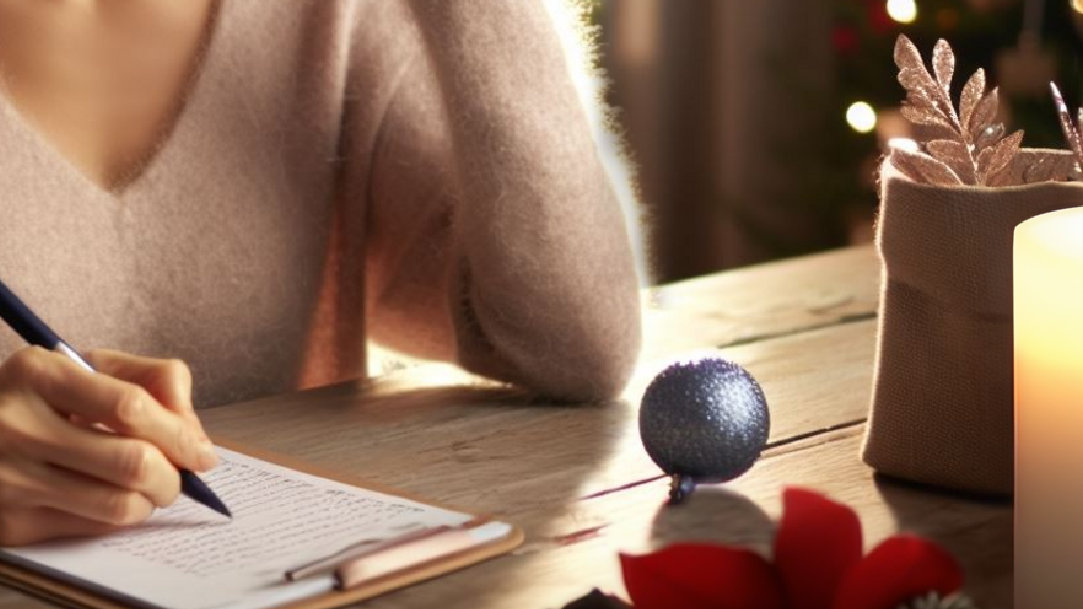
207 457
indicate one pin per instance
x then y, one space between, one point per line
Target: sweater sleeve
495 237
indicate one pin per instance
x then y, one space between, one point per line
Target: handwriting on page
188 557
277 514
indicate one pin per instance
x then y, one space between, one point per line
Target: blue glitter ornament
703 420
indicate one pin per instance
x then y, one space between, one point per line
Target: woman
255 189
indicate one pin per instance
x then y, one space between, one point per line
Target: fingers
33 434
167 380
25 485
123 407
60 474
24 526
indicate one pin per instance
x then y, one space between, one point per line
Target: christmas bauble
703 420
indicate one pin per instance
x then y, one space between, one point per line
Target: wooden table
576 477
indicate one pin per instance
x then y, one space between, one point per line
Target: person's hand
83 453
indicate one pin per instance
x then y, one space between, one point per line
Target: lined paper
188 557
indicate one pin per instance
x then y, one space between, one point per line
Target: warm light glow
905 11
904 143
1077 5
1048 335
861 117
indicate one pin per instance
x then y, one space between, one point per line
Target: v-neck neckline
195 83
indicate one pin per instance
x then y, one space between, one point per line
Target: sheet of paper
188 557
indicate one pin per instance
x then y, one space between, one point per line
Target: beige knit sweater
419 173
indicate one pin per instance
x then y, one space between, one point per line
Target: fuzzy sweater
417 173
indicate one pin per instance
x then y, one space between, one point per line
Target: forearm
549 290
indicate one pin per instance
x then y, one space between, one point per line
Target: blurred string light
905 11
1077 5
861 117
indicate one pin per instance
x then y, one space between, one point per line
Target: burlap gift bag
942 404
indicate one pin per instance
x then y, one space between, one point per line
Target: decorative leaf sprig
1071 132
971 148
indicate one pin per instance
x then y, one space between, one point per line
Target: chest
213 251
102 81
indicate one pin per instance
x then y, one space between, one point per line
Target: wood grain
576 477
565 556
743 305
453 444
762 301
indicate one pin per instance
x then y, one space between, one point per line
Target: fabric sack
942 402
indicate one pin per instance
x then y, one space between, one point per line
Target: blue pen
34 331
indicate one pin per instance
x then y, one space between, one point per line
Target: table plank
551 569
762 301
572 549
447 442
740 306
576 477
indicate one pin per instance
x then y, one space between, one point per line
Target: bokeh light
905 11
861 117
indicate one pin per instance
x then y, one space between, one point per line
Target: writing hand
61 475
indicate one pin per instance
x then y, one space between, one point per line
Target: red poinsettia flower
818 564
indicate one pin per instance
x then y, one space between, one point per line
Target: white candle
1048 314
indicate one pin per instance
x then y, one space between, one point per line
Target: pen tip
212 501
194 487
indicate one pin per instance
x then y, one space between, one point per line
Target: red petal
701 576
896 571
817 542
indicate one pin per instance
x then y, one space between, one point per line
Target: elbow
585 357
607 383
588 373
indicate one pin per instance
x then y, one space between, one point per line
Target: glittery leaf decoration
943 63
1071 132
969 148
921 167
971 95
985 113
906 54
990 134
916 80
1048 169
995 158
921 117
955 155
947 149
1037 166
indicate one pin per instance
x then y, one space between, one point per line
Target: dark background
734 110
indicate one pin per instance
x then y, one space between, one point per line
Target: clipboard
39 583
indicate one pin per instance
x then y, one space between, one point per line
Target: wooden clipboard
66 594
